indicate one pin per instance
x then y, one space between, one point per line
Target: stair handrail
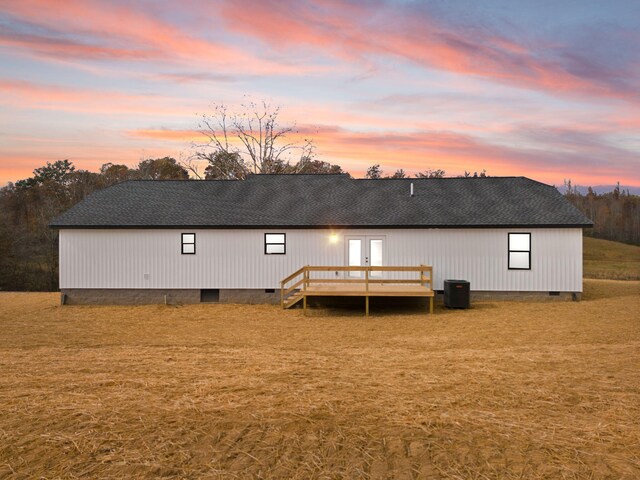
287 280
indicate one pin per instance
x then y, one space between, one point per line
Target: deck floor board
360 290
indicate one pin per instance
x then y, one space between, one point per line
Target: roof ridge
449 178
261 176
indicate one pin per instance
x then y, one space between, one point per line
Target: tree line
615 215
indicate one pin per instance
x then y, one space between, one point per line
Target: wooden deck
366 287
375 290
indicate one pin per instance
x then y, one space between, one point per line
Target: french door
364 251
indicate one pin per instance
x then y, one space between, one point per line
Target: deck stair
359 282
292 300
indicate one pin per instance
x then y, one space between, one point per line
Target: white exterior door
364 251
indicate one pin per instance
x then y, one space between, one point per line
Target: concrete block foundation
144 296
249 295
525 296
128 296
170 296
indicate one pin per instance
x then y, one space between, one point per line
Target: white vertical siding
119 258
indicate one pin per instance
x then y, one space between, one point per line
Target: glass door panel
375 256
355 256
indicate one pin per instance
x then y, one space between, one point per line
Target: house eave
312 227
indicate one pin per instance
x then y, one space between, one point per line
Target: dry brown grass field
503 390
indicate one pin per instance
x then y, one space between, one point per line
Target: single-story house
234 241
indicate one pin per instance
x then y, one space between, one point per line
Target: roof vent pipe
412 189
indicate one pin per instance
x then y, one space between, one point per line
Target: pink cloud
167 134
360 31
29 95
107 30
61 48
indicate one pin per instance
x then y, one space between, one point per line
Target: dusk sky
547 89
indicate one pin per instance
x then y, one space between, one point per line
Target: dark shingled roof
311 201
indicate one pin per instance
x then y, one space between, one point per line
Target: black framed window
275 243
519 251
188 243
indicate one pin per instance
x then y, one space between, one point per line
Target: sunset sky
547 89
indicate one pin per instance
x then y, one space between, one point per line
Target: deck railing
425 278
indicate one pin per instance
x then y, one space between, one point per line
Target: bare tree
258 130
249 141
191 164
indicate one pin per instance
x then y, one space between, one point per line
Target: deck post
282 295
366 289
431 305
304 304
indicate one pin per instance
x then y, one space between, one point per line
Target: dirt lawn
504 390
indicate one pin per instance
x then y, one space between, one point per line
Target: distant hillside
613 260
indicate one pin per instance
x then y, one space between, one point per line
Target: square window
275 243
519 251
188 243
